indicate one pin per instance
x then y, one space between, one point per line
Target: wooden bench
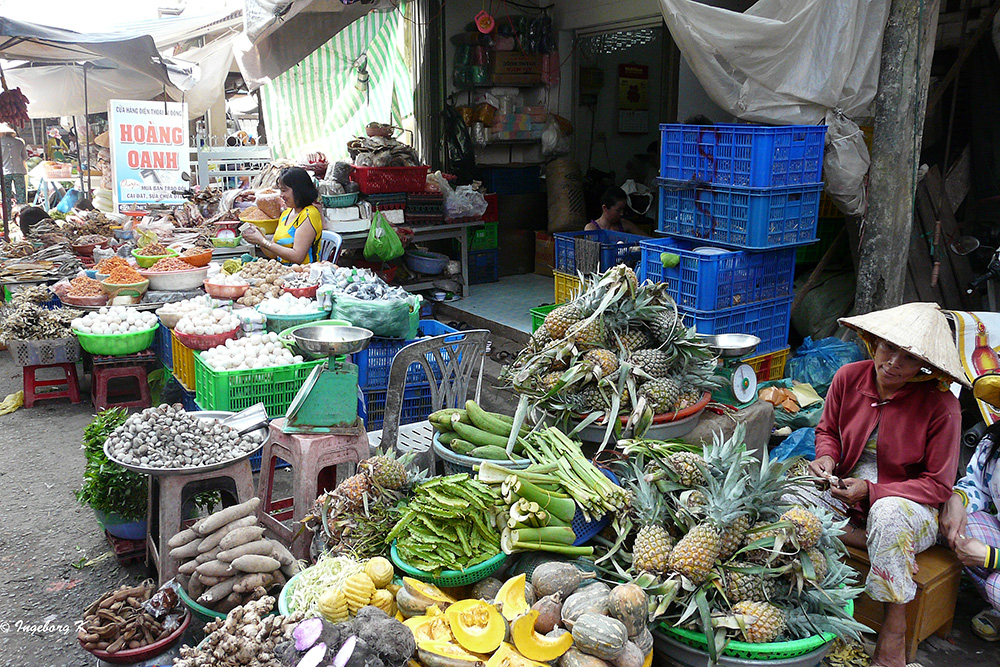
932 610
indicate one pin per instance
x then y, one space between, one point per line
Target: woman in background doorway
614 205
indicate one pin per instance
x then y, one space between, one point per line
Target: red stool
314 460
101 378
32 384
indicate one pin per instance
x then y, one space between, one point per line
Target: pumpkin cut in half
477 625
512 597
507 656
534 646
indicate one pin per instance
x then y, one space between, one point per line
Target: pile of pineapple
355 517
727 549
619 347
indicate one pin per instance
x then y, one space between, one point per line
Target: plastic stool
168 495
102 376
32 384
314 460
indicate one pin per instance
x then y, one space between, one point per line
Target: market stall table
457 230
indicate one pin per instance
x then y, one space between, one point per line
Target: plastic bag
845 163
816 362
464 202
389 318
800 443
383 243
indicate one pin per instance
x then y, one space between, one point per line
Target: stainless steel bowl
323 341
732 345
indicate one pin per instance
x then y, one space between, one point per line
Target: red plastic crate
492 213
376 180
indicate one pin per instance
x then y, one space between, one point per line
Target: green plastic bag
383 243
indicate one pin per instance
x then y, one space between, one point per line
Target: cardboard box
513 68
545 253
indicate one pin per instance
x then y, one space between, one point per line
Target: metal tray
185 471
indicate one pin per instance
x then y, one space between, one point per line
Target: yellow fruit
332 605
385 601
380 571
358 588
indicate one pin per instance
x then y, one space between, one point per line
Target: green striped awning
317 105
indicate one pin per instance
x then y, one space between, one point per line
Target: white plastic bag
845 163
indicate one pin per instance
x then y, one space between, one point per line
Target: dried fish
25 320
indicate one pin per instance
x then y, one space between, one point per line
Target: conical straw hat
919 328
987 389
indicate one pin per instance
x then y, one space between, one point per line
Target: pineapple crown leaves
646 500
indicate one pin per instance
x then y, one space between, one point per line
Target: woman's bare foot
855 537
890 650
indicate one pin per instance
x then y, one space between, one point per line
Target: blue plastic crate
709 278
741 218
52 303
187 400
256 460
163 345
416 405
754 156
769 321
484 266
512 180
616 248
374 362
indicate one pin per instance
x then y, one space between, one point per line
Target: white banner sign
149 152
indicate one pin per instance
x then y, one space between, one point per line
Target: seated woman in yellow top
297 238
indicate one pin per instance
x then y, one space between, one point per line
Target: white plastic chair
329 246
456 357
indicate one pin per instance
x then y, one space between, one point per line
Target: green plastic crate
826 231
485 237
538 314
235 390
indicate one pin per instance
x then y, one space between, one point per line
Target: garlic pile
185 307
218 321
256 351
287 304
115 320
233 280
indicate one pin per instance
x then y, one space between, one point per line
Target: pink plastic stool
101 378
169 493
32 384
314 460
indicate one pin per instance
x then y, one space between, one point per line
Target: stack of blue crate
735 202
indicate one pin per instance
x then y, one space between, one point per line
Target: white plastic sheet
801 62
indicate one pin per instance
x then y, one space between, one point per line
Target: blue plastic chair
329 246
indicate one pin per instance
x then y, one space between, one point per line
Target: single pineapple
558 321
589 332
622 274
386 470
662 394
664 325
541 338
808 527
655 362
695 553
353 491
820 565
548 380
604 361
686 466
587 399
689 396
763 531
746 586
636 338
653 544
766 623
733 534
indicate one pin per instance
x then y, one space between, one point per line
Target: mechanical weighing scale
740 386
328 400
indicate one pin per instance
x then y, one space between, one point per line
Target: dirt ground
54 559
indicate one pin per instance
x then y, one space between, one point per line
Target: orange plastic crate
183 358
769 366
567 287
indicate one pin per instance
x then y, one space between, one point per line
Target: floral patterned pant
898 529
985 527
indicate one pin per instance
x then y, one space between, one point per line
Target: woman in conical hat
970 520
888 442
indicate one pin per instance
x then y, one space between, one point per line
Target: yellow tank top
285 233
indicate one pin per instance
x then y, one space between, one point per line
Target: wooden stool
314 460
168 495
69 380
102 377
931 612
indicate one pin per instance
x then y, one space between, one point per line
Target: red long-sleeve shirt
918 435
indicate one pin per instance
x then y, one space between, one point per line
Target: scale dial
744 383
